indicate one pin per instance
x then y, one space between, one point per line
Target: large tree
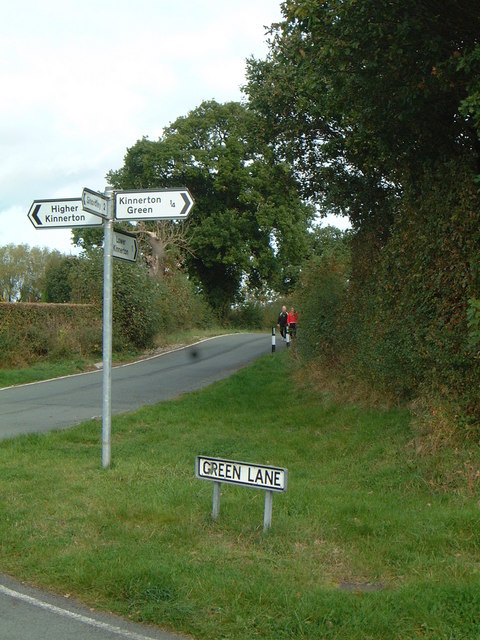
22 272
248 224
361 96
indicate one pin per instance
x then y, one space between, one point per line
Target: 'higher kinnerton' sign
242 473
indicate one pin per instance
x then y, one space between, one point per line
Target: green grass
367 542
42 371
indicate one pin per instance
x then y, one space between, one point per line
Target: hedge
30 332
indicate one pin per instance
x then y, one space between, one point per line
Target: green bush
7 347
406 325
136 309
320 300
143 306
473 321
30 332
136 317
39 339
90 339
181 306
247 316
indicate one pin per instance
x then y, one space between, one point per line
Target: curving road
63 402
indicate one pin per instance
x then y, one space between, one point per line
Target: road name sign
249 475
153 204
125 246
257 476
61 214
95 203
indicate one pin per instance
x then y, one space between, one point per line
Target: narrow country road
63 402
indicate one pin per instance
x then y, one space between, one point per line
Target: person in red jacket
292 320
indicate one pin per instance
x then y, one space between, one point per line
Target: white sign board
95 203
60 214
124 247
153 204
242 473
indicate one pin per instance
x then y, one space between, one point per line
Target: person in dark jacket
282 321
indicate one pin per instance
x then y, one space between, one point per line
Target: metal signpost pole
217 490
267 514
107 331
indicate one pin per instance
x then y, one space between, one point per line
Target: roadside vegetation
377 105
373 538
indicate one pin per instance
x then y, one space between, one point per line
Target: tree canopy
361 96
22 272
248 223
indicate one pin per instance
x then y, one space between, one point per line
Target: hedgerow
406 325
30 332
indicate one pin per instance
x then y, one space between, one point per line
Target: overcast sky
82 80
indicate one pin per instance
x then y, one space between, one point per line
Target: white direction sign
94 202
124 247
60 214
153 204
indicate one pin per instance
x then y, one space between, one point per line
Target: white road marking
131 635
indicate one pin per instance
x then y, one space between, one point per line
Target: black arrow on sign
187 201
35 215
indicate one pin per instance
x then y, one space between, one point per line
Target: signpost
95 209
107 332
153 204
257 476
61 214
125 246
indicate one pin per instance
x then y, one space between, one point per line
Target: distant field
371 540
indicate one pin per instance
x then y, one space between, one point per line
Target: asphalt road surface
63 402
27 614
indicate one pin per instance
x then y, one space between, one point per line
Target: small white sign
249 475
60 214
95 203
124 247
153 204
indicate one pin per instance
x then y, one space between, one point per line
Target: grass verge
42 371
366 543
